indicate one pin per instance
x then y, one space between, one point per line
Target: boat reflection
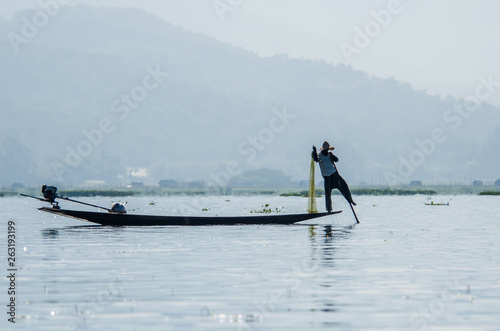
80 231
50 233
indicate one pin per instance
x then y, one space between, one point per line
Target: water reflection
50 233
325 241
79 230
77 235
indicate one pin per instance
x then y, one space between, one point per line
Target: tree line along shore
285 192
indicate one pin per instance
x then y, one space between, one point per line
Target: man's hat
327 146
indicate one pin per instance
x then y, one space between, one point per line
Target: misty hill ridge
213 101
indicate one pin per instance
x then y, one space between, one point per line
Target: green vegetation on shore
7 194
94 193
285 192
319 193
388 191
489 193
365 191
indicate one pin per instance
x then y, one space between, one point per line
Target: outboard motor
49 193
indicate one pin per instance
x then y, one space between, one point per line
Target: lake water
406 266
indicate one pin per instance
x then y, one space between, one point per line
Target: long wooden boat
115 219
117 215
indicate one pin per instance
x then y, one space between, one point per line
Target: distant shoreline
290 191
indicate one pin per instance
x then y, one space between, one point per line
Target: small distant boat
117 215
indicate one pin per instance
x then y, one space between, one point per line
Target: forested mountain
118 95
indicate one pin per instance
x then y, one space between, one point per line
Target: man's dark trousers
335 181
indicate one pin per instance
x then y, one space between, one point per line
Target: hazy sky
441 46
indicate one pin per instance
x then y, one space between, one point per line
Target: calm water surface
407 266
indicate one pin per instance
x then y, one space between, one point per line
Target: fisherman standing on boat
330 174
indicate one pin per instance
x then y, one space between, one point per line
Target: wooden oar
356 217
